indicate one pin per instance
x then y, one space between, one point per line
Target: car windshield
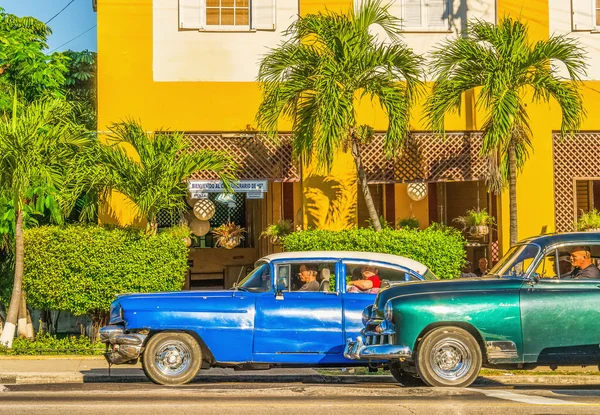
428 275
259 280
516 262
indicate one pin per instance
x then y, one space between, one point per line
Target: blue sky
73 21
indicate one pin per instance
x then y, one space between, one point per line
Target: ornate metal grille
427 157
576 157
257 157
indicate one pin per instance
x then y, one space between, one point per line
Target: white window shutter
437 14
583 14
263 14
190 14
396 8
412 13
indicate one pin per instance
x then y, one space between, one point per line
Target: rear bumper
356 350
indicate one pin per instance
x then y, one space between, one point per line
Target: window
586 15
430 15
306 276
380 275
227 15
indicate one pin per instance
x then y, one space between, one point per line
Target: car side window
553 265
358 273
307 276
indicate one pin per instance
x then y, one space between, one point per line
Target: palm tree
316 78
506 65
36 144
154 177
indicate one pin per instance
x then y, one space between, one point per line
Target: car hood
459 284
140 299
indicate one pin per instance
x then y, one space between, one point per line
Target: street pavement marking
530 399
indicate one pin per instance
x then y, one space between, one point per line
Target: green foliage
23 63
278 231
440 248
152 176
80 86
330 59
475 217
505 64
80 268
589 220
409 223
46 344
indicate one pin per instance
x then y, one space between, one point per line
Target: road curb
70 377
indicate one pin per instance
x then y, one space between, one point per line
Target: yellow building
191 65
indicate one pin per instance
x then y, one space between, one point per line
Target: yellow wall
406 208
126 89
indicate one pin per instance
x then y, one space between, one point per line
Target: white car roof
349 255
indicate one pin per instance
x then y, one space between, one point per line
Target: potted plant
589 221
408 223
229 235
277 231
477 221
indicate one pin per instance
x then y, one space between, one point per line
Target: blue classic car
278 315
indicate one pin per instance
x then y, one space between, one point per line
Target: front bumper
121 347
356 350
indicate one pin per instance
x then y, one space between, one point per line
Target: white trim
8 334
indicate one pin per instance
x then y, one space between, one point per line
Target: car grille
379 339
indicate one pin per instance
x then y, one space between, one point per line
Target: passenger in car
308 275
369 280
583 267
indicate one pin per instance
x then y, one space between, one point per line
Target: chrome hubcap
172 358
451 359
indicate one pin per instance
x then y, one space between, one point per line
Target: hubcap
451 359
172 358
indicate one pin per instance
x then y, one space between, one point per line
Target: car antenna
239 276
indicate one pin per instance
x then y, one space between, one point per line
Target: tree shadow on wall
329 203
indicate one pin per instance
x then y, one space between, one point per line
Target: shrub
411 223
46 344
80 268
589 220
440 248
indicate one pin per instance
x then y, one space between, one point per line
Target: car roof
349 255
560 238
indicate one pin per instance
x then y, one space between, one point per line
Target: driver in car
583 267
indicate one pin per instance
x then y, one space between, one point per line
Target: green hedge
442 249
80 268
46 344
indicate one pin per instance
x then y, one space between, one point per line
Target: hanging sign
199 195
255 195
216 186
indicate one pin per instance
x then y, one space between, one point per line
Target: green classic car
540 305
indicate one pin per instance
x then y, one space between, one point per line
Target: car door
560 317
299 326
355 302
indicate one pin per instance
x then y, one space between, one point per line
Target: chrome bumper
356 350
121 347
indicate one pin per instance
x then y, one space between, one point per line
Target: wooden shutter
583 12
412 13
263 14
190 14
437 14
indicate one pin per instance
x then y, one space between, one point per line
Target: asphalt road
294 398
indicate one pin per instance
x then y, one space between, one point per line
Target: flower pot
593 230
187 242
479 230
274 240
230 242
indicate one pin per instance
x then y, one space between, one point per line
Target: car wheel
171 358
405 378
448 356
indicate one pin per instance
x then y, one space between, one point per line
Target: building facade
191 65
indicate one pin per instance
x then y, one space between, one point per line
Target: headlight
116 313
366 314
388 311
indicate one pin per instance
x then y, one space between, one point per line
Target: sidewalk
35 370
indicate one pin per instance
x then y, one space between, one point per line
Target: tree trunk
43 321
512 194
30 330
13 310
22 319
364 187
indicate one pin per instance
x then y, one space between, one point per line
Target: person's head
307 273
581 256
369 271
467 269
356 274
483 264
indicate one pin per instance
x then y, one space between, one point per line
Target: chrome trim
121 347
501 350
356 350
